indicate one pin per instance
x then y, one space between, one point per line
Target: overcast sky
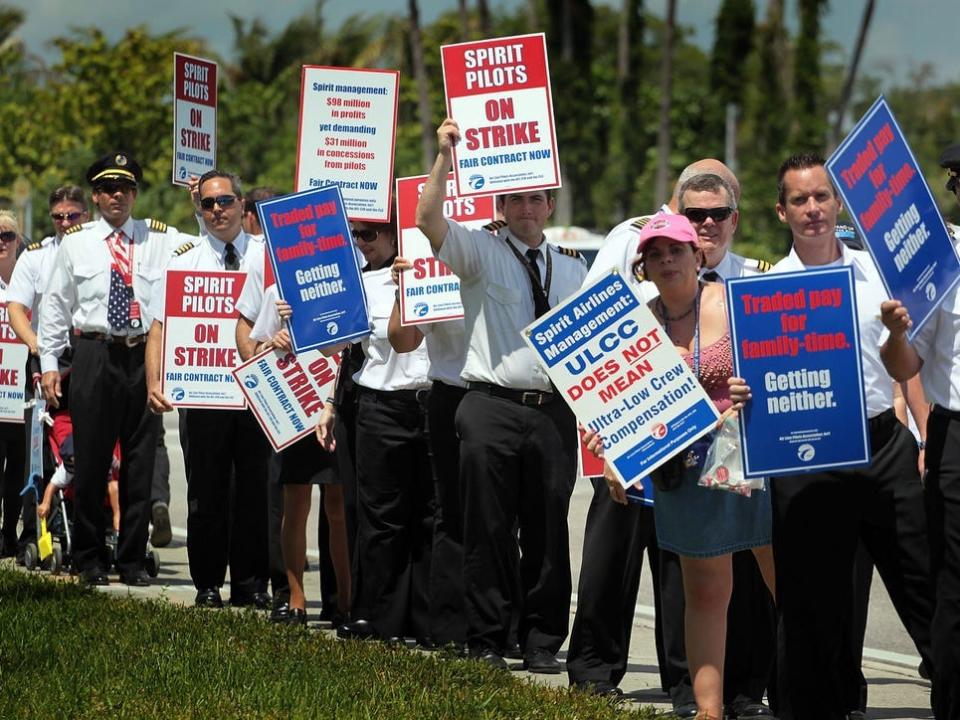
904 33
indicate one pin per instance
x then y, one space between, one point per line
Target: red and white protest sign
348 129
498 91
194 117
13 364
199 339
429 291
286 392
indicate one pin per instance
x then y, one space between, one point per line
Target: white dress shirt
497 300
79 288
447 350
384 368
30 276
251 299
938 344
208 254
877 384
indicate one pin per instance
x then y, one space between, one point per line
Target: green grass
69 652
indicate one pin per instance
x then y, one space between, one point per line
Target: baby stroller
58 497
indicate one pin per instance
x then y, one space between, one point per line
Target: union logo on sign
659 431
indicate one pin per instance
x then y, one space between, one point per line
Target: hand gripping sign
796 342
429 291
348 129
311 254
499 93
13 363
194 117
199 343
286 392
888 199
615 367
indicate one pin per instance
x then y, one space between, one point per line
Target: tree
666 90
427 142
851 73
733 42
809 127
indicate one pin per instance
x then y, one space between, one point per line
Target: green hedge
67 651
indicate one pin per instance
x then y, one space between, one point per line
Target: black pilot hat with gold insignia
950 161
117 166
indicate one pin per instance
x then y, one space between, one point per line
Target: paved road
896 691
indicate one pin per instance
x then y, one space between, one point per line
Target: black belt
410 396
530 398
126 340
945 412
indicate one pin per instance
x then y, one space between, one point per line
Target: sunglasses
366 235
8 236
223 201
71 216
699 215
112 188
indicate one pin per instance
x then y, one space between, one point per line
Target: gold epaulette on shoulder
73 228
157 226
184 248
495 226
762 265
568 251
35 246
640 222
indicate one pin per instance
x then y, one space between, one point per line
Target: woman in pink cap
702 525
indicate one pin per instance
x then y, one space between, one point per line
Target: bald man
617 534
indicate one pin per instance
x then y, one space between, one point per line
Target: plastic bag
723 467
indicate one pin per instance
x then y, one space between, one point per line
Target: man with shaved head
617 532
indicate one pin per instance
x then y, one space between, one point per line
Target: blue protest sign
616 368
315 266
889 201
796 342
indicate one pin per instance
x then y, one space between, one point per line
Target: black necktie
540 303
230 259
711 276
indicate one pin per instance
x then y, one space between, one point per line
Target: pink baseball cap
668 225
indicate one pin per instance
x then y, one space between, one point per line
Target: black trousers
279 583
818 521
517 463
160 486
226 456
448 622
108 401
395 514
943 517
614 542
11 480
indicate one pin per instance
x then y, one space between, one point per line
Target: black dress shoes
259 600
751 710
135 578
280 612
95 576
208 597
489 656
542 662
296 616
357 630
602 688
687 710
513 651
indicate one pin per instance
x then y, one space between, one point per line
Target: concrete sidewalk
896 691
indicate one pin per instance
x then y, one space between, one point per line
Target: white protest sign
194 117
286 392
199 339
13 364
430 291
615 366
499 93
348 128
